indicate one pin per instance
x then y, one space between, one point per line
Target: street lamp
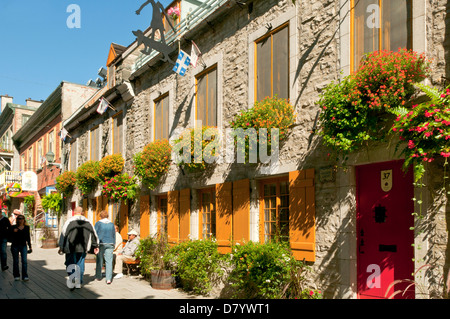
50 157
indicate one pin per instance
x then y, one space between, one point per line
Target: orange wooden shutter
185 212
145 216
97 208
302 214
224 216
123 220
241 211
173 218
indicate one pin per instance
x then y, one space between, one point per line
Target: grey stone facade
319 52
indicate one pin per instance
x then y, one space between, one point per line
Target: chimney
5 99
33 103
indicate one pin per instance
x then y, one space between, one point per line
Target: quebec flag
182 63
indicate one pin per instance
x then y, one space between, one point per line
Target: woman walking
20 239
106 236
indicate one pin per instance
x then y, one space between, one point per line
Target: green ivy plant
52 202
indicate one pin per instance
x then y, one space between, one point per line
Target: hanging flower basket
121 188
65 183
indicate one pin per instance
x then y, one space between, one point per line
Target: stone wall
321 30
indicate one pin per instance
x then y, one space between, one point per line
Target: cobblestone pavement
48 277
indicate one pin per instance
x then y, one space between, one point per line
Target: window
162 215
206 97
275 210
380 25
95 147
73 156
51 141
208 213
161 118
40 152
167 27
272 64
31 165
25 118
117 122
23 163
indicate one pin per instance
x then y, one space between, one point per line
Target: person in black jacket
78 237
20 239
5 226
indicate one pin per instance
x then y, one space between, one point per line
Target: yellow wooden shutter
241 211
145 216
302 214
185 212
85 207
224 216
173 218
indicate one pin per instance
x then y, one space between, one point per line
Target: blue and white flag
182 63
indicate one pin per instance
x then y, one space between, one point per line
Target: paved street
47 275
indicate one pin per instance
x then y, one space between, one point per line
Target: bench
132 266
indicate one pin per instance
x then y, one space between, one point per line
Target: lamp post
50 157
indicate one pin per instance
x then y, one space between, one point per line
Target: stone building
253 49
40 135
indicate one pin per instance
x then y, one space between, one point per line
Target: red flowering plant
120 188
153 162
65 183
425 129
357 109
270 113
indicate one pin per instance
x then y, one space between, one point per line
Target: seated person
127 253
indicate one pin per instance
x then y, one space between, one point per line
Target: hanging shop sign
29 181
14 189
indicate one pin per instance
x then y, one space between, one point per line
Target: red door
384 217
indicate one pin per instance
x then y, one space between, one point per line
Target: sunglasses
20 218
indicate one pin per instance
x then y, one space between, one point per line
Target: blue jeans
77 259
106 253
15 251
3 256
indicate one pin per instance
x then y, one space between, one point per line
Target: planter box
162 279
49 243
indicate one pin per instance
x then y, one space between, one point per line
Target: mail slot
390 248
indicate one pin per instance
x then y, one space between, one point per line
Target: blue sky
38 50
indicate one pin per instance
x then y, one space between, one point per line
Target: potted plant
153 162
151 253
87 176
48 237
65 183
121 188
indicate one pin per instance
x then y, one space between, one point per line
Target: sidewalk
47 275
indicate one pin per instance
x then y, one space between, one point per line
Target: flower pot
162 279
49 243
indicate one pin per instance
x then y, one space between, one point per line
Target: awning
23 195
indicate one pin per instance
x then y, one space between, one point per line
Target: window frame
261 39
198 76
353 63
213 232
155 101
97 149
262 220
113 121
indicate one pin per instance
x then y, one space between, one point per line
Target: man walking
78 237
5 227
